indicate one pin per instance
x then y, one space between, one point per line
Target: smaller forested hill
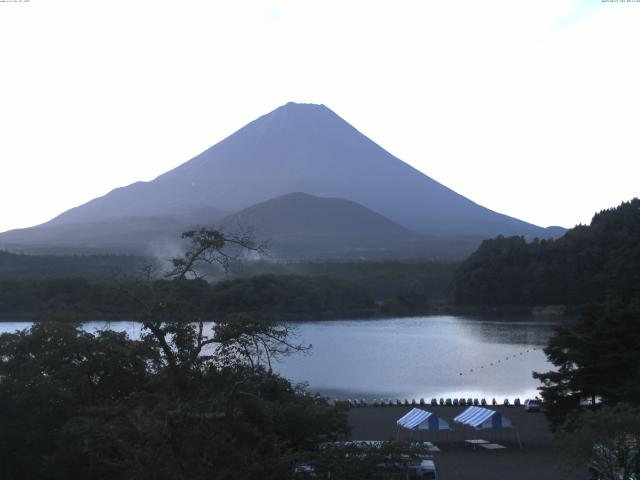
588 264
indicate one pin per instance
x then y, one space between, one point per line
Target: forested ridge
590 263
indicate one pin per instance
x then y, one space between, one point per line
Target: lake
417 357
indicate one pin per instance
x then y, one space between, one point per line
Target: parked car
426 469
303 470
421 469
532 405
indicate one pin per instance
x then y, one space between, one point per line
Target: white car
532 405
428 470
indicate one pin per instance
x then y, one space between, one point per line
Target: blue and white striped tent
418 419
481 418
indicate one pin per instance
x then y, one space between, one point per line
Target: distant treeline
93 267
588 264
288 297
100 286
399 285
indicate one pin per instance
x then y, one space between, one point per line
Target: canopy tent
418 419
481 418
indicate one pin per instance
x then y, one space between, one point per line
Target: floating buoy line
448 402
455 402
499 361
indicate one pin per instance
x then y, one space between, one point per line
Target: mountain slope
128 234
303 148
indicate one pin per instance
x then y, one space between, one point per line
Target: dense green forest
588 264
284 296
411 283
384 280
93 267
104 287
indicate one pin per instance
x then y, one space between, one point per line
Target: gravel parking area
457 460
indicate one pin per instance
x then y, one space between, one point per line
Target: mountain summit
302 148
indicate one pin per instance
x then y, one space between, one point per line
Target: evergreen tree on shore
597 363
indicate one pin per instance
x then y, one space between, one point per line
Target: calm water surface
435 356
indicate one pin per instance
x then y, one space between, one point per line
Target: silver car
532 405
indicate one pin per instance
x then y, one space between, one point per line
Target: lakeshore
406 358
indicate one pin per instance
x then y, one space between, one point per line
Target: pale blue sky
527 107
577 11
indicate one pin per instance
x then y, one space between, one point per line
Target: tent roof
423 420
479 417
